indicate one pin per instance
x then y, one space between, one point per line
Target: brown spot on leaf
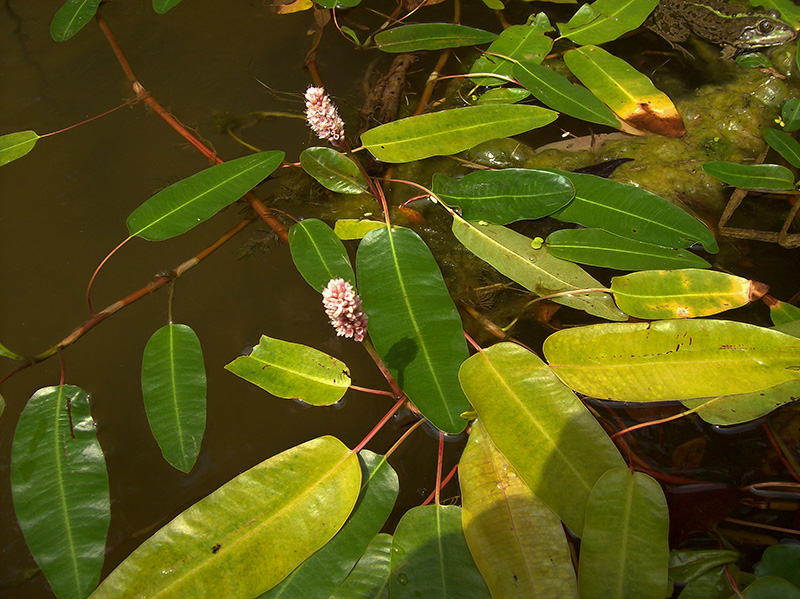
663 122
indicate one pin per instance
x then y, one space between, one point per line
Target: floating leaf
517 542
784 144
451 131
788 10
754 60
162 6
632 212
518 42
506 195
319 254
7 353
626 91
535 269
624 547
181 206
250 533
744 407
338 4
503 95
351 228
606 20
686 565
174 391
430 36
790 113
59 486
369 579
16 145
751 176
548 435
782 312
685 293
597 247
71 18
333 170
782 561
323 572
292 370
672 359
430 557
771 587
558 93
414 323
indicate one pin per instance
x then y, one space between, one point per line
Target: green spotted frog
718 22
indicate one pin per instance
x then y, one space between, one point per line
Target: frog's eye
765 26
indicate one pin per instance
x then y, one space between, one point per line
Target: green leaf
726 410
754 60
247 535
451 131
292 370
430 557
71 18
624 548
162 6
319 254
751 176
7 353
517 542
59 486
632 212
338 4
174 390
558 93
535 269
548 435
506 195
685 293
715 583
790 113
369 579
687 565
333 170
606 20
430 36
788 10
323 572
518 42
503 95
414 323
181 206
598 247
696 358
771 587
784 144
2 405
351 228
16 145
782 313
782 561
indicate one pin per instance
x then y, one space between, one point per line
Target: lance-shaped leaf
744 407
7 353
59 486
606 20
548 435
598 247
323 572
535 269
351 228
506 195
162 6
71 18
518 42
685 293
558 93
16 145
451 131
627 92
247 535
632 212
293 371
784 144
790 113
503 95
430 36
369 579
182 205
174 391
414 323
770 177
319 254
779 312
430 557
517 542
672 359
624 548
333 170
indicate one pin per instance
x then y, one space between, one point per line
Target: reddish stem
380 424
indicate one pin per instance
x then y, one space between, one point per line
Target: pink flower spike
343 307
322 116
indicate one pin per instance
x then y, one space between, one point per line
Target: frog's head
759 31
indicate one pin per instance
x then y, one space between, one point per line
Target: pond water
64 206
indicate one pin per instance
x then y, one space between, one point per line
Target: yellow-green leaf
16 145
743 407
605 20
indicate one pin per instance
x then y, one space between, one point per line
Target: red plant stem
405 436
398 392
380 424
97 270
443 485
372 391
90 119
779 450
439 467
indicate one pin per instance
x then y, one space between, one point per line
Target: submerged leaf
430 36
16 145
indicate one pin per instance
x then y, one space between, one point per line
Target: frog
723 24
